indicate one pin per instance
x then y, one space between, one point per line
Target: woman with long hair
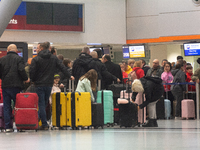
88 83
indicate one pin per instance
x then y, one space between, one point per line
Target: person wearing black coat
103 74
82 64
153 90
113 68
12 73
42 70
177 90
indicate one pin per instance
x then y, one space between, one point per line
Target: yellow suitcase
59 109
79 110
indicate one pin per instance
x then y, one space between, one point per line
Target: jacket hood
174 72
45 53
84 59
136 68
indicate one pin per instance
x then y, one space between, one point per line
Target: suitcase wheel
96 127
112 125
108 124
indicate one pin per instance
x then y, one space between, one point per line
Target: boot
151 123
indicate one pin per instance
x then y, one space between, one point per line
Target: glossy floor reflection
170 135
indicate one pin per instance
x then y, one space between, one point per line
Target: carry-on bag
106 98
160 108
79 110
26 111
167 104
97 115
98 112
116 89
187 107
128 113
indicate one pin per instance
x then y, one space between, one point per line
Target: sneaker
9 130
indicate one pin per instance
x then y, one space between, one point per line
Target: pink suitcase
142 112
188 109
141 115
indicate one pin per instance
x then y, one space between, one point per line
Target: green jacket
85 86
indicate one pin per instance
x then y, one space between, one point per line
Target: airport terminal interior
163 29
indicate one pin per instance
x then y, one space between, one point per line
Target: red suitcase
26 111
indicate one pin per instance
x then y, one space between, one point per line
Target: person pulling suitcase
153 89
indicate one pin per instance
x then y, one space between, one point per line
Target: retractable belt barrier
197 93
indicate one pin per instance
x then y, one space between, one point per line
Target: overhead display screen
136 51
125 50
191 49
48 16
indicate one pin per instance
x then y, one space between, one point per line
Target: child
189 73
88 83
55 87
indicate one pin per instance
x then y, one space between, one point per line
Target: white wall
105 22
157 18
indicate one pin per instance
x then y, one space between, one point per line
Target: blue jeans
43 94
8 94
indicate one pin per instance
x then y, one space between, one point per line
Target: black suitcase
128 114
116 89
160 109
97 115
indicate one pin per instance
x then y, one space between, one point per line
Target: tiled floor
170 135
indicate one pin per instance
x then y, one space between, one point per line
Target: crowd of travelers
50 73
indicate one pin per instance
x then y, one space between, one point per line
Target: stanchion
197 99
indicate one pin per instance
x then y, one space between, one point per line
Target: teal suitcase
106 96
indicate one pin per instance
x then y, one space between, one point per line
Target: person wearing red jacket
138 70
189 73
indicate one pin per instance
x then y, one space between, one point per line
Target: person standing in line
131 63
138 70
42 70
12 73
155 71
82 64
88 83
177 90
127 68
113 68
163 63
144 66
167 77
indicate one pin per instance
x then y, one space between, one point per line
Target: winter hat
198 60
137 86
